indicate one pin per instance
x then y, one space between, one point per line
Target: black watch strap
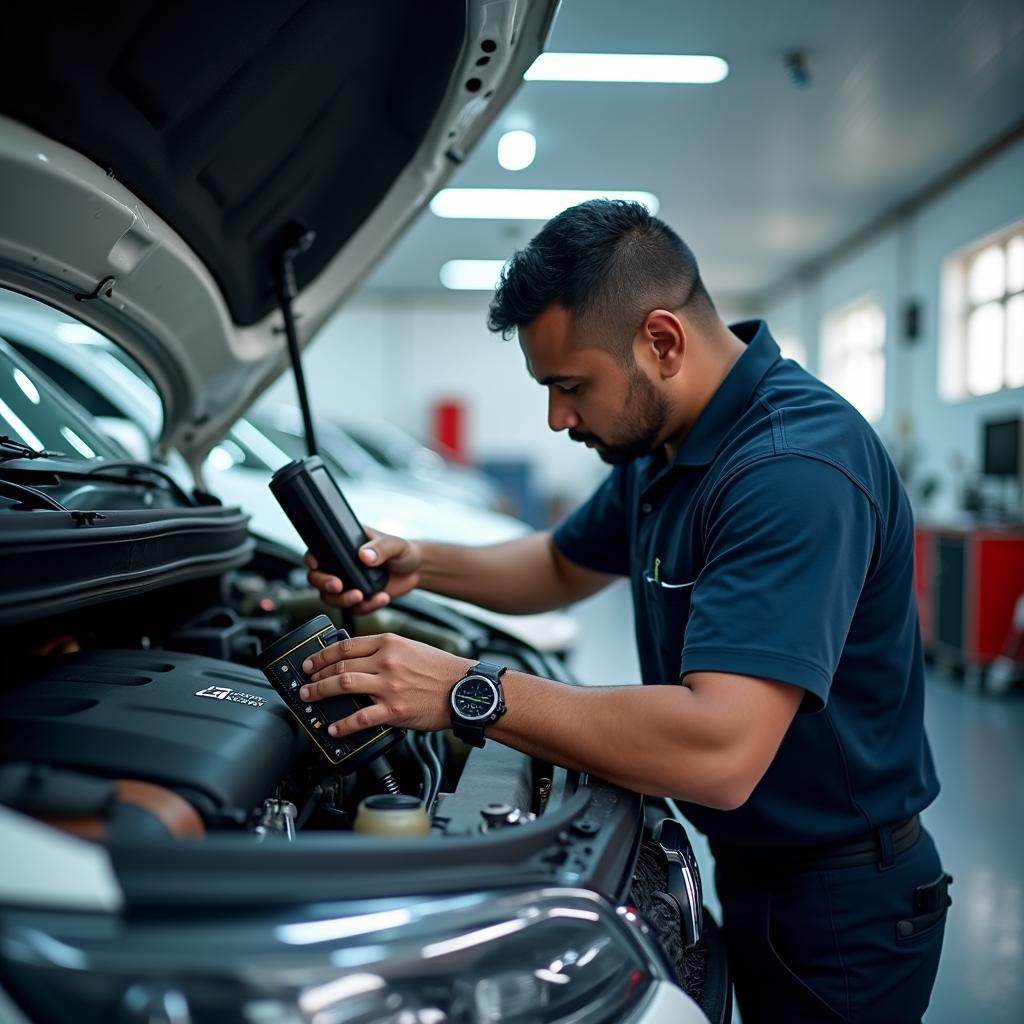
473 732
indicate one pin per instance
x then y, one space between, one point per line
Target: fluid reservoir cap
387 814
391 802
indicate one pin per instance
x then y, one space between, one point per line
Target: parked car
396 449
171 845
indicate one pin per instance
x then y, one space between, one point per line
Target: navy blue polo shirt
780 544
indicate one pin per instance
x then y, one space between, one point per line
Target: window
853 356
983 318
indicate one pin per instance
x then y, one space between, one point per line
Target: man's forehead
549 342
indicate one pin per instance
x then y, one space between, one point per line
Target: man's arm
522 576
708 740
525 575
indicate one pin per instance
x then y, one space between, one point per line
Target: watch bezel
494 705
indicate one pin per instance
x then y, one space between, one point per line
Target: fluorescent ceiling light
516 150
523 203
627 67
471 275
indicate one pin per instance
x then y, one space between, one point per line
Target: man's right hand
401 558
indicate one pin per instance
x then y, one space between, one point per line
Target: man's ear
662 342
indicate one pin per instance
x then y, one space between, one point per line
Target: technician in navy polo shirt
769 545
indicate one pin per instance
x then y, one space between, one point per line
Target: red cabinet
968 582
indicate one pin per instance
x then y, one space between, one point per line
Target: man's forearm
659 740
518 577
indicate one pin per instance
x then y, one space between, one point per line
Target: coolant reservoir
387 814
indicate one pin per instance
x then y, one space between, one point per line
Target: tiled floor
977 821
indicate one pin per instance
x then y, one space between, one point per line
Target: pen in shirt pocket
655 578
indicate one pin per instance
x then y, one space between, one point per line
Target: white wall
903 262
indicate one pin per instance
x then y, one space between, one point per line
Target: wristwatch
477 701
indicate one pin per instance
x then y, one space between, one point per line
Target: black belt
878 847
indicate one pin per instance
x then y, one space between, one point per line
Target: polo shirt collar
728 402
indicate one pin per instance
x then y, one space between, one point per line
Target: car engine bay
182 727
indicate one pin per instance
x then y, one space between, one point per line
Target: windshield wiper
119 470
142 469
30 496
12 449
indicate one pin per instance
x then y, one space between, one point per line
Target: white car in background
396 449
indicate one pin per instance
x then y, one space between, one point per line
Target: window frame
957 307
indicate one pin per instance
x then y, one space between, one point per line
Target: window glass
987 276
1015 264
96 373
33 412
985 349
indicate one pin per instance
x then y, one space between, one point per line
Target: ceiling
760 176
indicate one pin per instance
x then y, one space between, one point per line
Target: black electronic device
318 510
1001 454
281 662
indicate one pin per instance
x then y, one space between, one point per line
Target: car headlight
536 957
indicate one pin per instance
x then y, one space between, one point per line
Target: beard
640 427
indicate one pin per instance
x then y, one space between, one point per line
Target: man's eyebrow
557 378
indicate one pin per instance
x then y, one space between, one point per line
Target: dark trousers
827 946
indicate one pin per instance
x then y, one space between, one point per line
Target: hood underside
171 146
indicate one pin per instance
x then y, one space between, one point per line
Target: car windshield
101 377
35 414
283 427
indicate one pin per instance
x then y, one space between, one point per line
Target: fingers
324 581
333 594
382 548
353 647
365 718
378 600
344 682
369 665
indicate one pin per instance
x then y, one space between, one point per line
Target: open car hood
152 160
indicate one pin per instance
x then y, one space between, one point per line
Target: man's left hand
408 681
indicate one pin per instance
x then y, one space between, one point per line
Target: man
769 544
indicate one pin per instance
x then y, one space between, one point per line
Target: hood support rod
298 239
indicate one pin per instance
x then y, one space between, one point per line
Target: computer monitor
1001 454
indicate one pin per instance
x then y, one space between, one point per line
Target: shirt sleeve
596 535
788 546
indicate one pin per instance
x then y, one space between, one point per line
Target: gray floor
977 821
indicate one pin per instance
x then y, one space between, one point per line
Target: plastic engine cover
214 732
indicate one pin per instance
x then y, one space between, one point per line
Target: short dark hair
608 257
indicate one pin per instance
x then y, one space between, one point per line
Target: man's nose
560 413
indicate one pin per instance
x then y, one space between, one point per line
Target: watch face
475 697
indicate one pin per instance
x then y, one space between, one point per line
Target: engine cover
214 732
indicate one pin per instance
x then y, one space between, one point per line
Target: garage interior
850 161
851 174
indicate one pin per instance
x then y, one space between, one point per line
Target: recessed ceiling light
627 67
471 275
516 150
523 203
